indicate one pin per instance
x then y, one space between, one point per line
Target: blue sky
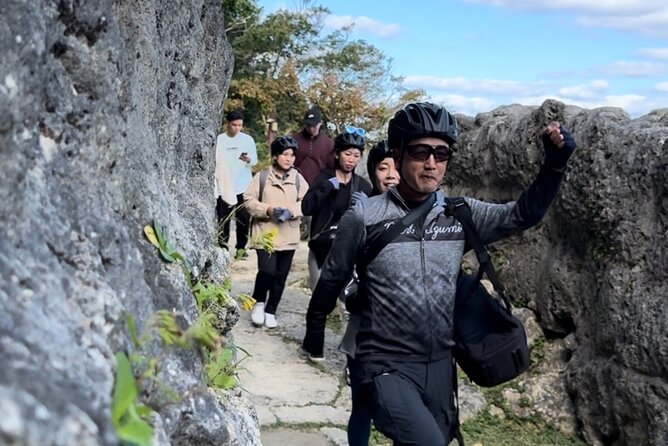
475 55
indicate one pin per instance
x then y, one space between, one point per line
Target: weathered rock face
596 266
108 115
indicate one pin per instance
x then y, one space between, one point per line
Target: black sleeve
496 221
536 200
364 186
336 272
317 194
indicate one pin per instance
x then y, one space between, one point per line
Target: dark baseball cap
312 117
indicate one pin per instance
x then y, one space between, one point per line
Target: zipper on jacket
424 290
423 261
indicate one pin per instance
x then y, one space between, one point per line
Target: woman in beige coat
274 201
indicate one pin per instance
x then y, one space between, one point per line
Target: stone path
298 403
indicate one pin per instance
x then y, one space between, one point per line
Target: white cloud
478 86
635 69
653 23
363 24
625 101
610 6
635 105
661 86
654 53
643 17
584 91
467 105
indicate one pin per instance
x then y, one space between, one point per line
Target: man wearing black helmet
405 338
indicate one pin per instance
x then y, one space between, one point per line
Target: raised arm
496 221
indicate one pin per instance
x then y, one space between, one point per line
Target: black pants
272 272
241 217
359 423
413 402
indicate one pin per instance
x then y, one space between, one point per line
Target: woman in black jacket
331 194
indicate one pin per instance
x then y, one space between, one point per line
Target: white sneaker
257 315
270 321
315 359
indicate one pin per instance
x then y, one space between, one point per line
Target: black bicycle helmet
346 140
377 154
420 119
283 143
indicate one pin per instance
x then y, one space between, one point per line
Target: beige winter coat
277 193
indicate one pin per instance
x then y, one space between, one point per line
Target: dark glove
285 216
276 215
357 196
555 157
335 182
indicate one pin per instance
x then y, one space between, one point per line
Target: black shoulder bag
490 342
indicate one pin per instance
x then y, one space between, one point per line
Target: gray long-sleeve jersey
410 286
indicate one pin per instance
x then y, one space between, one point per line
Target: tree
284 64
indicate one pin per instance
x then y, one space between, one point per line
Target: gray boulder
108 116
595 268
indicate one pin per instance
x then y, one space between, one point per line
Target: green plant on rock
222 369
156 235
146 366
203 333
169 331
129 417
208 294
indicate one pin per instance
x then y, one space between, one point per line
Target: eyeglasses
355 130
421 152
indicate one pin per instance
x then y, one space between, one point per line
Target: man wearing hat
235 155
316 150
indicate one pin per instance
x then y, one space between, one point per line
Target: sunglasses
421 152
355 130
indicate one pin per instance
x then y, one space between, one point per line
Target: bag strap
458 433
264 173
377 245
460 209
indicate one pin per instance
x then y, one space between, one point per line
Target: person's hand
276 214
335 182
245 158
559 146
357 196
285 215
270 211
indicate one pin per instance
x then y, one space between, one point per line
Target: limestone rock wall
108 116
595 270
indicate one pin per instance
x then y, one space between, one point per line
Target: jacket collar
396 197
308 136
